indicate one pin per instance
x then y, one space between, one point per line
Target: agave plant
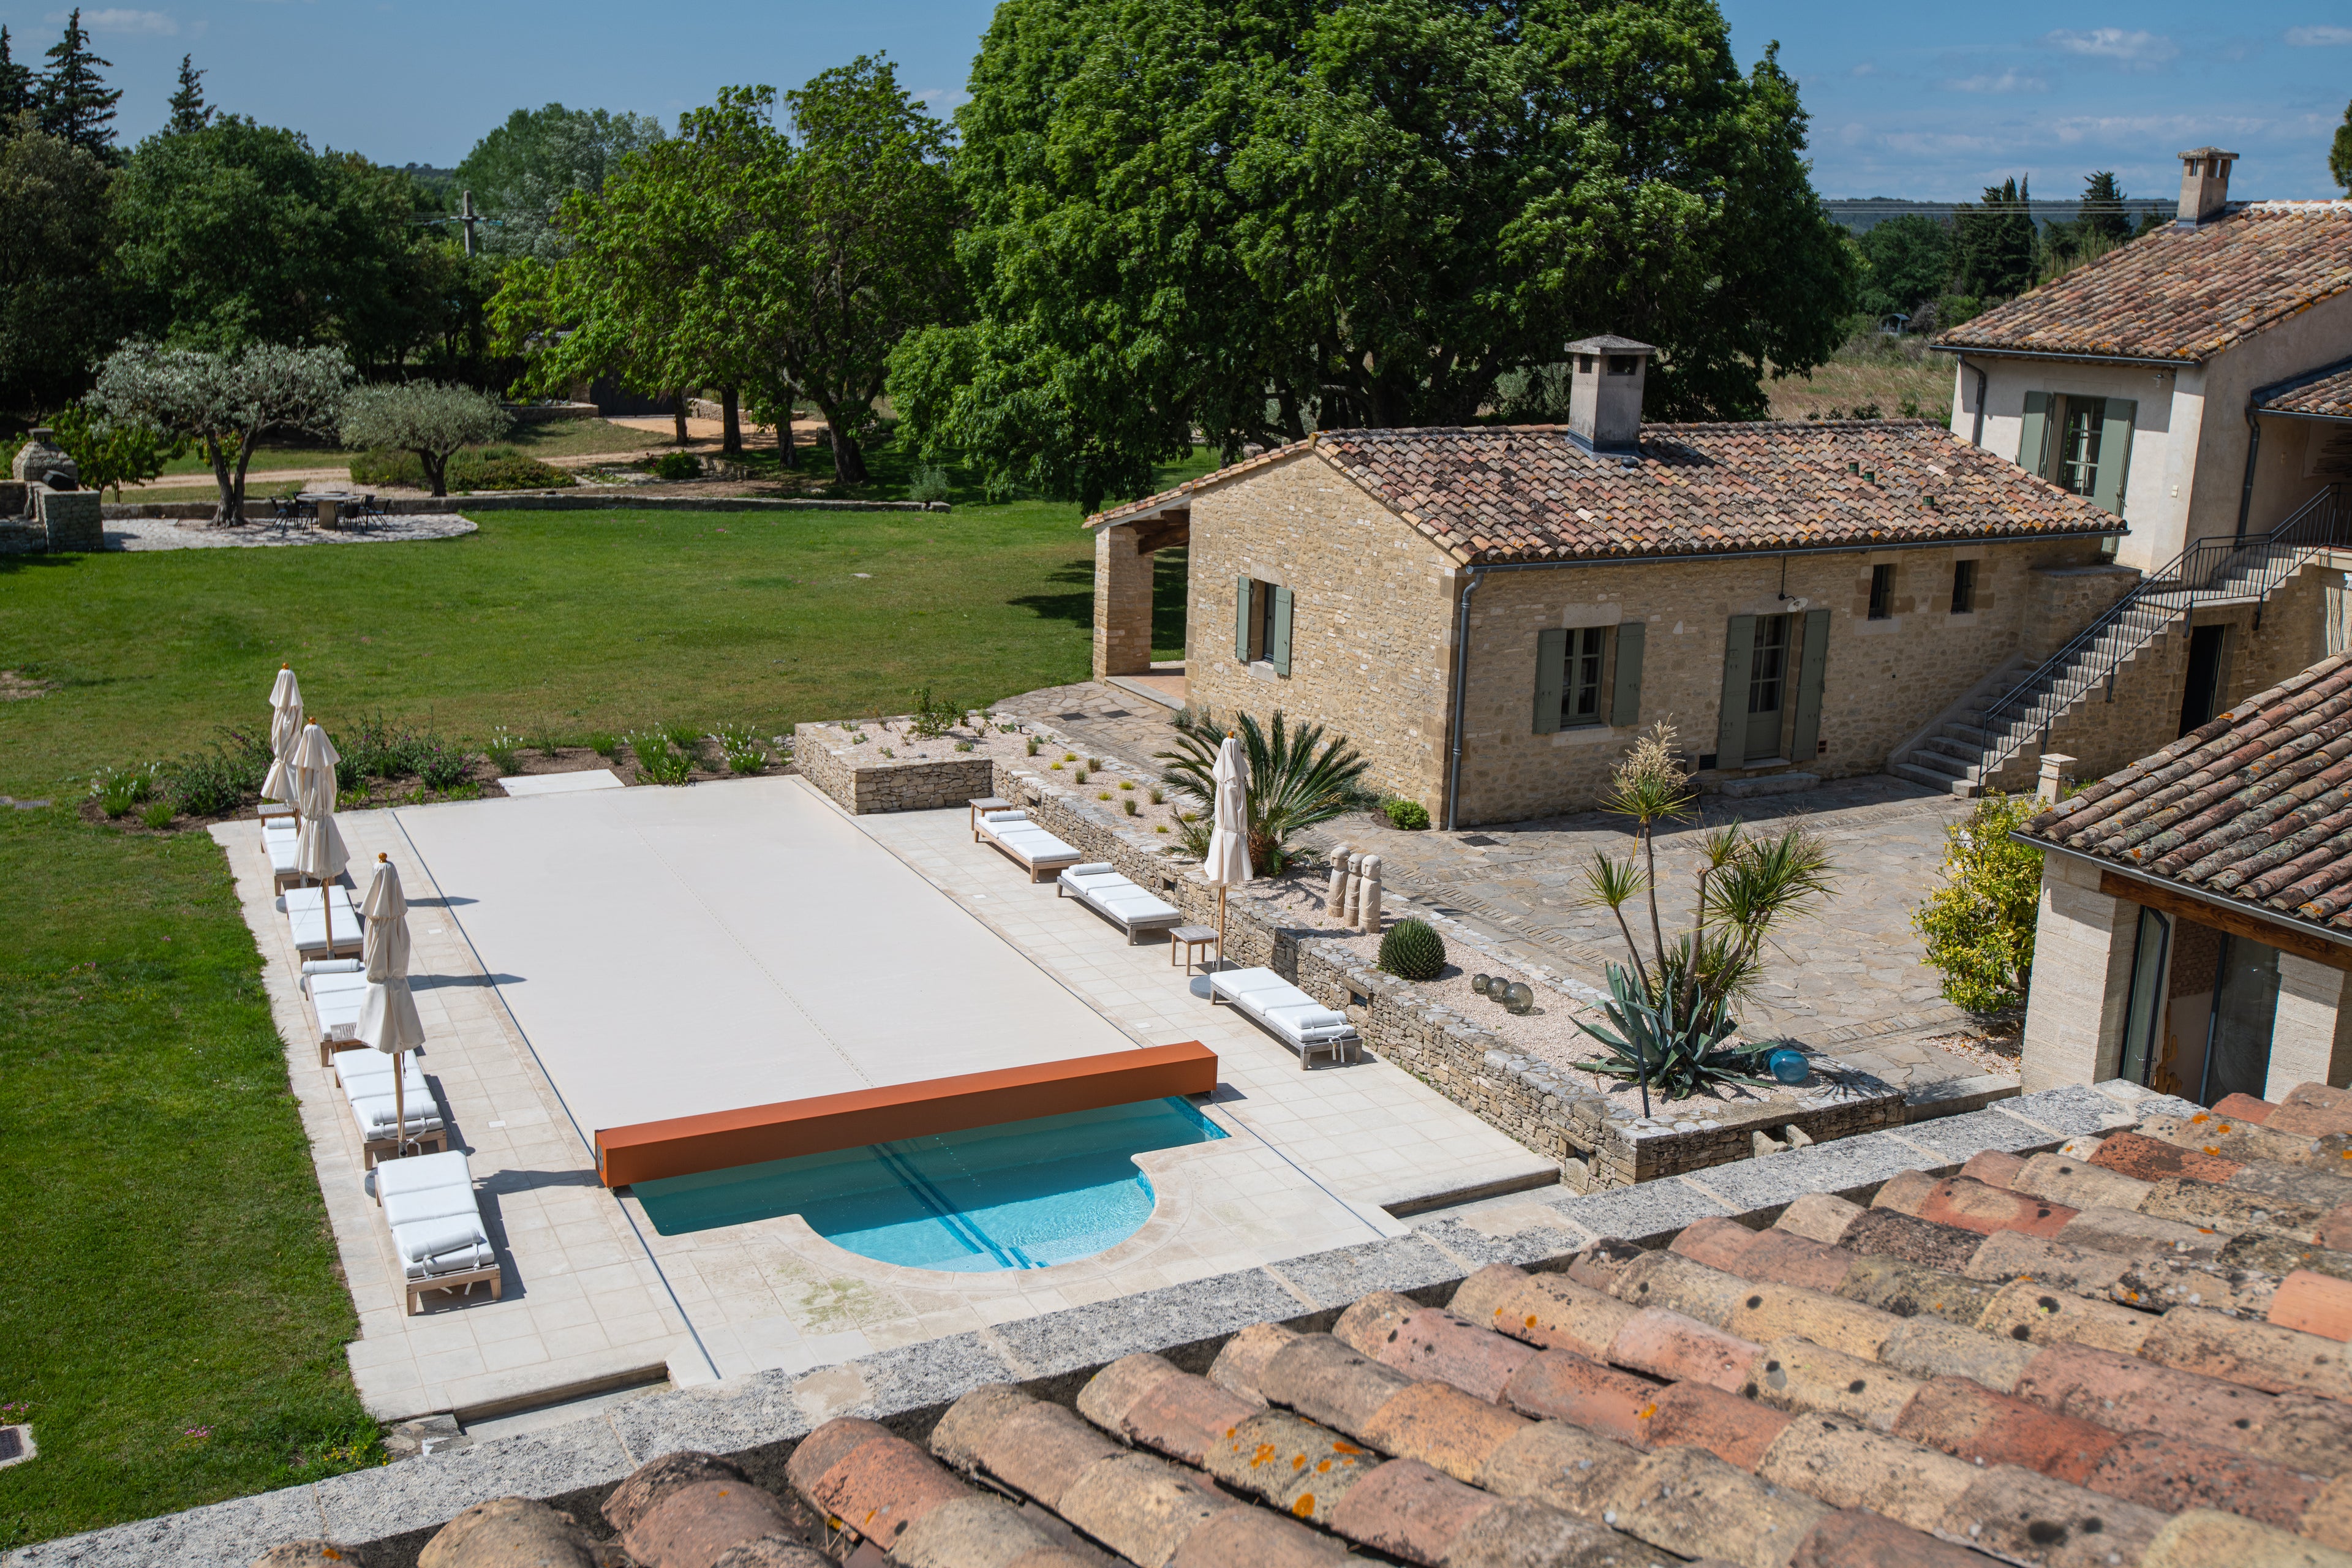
1659 1041
1297 778
1748 885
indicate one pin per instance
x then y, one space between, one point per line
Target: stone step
1935 781
1950 745
1941 762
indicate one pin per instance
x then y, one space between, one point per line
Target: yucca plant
1297 778
1678 996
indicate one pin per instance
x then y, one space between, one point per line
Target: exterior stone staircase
1995 736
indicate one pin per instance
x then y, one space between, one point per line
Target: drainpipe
1461 699
2253 449
1975 437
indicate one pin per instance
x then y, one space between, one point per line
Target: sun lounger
1038 851
1290 1014
366 1078
278 836
1118 899
307 915
336 988
436 1221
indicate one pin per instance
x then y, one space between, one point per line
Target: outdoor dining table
326 506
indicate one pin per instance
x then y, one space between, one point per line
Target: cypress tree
189 111
16 88
1995 242
2102 211
72 99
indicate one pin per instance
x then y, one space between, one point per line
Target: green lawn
548 438
170 1267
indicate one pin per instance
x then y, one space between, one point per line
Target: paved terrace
2079 1329
1851 984
594 1298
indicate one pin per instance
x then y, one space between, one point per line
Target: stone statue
1352 890
1368 897
1337 895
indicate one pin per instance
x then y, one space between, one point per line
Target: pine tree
189 111
2339 151
72 99
16 88
2102 211
1995 242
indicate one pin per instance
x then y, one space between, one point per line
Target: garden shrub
215 783
742 748
657 762
929 484
474 468
1412 950
676 466
606 744
442 767
1977 926
504 749
1409 815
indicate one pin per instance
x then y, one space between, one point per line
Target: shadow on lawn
1077 609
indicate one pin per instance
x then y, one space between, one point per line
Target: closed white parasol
318 851
1229 857
284 735
388 1019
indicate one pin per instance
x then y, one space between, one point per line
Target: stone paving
1851 983
171 533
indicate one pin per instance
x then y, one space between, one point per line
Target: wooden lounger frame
492 1275
1038 870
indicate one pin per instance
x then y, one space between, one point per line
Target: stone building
2198 384
2196 922
1492 613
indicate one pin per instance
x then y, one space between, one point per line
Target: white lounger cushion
1093 868
1309 1023
1283 1008
369 1072
375 1116
309 921
282 853
419 1172
998 818
432 1203
1118 899
450 1246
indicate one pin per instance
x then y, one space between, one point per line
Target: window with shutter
1277 630
1625 697
1551 666
2114 452
1812 663
1244 594
2033 438
1731 726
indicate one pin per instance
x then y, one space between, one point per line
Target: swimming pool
1021 1194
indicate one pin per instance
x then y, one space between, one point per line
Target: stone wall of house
1883 680
1372 629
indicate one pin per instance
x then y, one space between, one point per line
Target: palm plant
1678 996
1297 779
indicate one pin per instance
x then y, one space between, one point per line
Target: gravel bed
170 533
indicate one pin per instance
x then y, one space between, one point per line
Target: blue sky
1907 101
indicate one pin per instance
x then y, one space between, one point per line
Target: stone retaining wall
868 784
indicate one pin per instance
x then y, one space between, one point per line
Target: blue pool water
1022 1195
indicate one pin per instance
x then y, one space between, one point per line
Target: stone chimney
2204 184
1604 392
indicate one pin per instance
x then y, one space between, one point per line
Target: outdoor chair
364 511
278 836
1118 899
305 913
1014 835
336 988
366 1077
1283 1010
436 1221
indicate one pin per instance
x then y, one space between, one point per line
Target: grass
174 1322
1870 370
170 1269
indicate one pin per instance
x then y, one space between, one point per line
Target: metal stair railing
2209 569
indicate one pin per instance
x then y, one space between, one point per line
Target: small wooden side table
1190 939
984 803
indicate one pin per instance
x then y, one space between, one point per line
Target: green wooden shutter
1552 672
1278 638
2115 453
1812 661
1626 692
1242 586
1731 724
2029 454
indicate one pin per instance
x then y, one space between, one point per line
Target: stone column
2082 974
1122 603
2311 1036
1368 897
2052 781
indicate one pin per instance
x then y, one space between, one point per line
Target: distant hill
1862 214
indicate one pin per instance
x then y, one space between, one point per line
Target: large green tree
2339 151
1994 242
57 313
188 109
1907 259
522 171
240 233
225 402
1263 216
16 86
72 98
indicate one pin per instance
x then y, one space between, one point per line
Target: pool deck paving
595 1298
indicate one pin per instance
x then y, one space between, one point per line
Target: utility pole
466 217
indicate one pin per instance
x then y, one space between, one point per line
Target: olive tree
227 401
429 419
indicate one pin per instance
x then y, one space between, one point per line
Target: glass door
2149 956
2245 1004
1768 687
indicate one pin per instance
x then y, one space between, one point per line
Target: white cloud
1865 68
2137 50
118 21
2317 38
2006 81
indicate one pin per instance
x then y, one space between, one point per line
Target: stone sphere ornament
1479 982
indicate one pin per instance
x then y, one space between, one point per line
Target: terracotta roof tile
1531 492
2181 294
2255 807
2327 395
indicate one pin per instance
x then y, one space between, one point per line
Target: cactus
1414 951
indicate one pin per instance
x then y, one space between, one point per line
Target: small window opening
1964 587
1882 592
1624 364
1580 696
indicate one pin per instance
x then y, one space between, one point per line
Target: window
2144 1013
1588 676
2077 467
1261 622
1964 587
1580 686
1882 591
1768 667
1624 364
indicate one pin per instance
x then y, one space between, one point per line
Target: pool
1021 1194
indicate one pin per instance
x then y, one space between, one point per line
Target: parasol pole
327 913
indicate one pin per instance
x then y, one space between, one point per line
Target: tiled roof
2126 1353
1529 492
2255 807
2180 293
2326 394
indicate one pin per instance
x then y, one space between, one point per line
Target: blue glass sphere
1789 1065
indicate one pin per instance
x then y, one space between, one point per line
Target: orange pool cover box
688 1145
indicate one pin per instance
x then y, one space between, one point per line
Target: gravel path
165 533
